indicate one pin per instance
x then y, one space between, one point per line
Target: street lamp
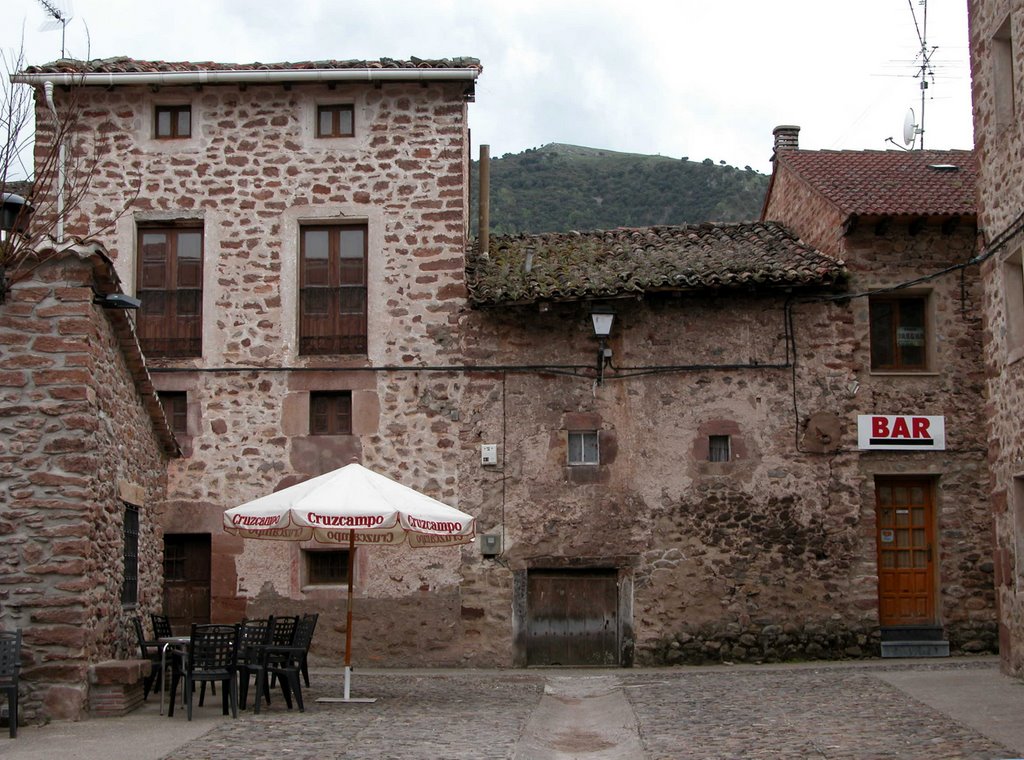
602 317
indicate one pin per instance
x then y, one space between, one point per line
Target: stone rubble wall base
115 687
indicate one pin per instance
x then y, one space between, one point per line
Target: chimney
787 137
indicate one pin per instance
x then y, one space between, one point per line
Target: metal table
168 642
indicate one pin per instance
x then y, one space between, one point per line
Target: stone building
688 489
997 70
84 448
297 243
904 224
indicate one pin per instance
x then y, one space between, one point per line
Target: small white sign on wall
901 432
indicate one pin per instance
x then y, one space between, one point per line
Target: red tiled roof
629 261
889 182
123 65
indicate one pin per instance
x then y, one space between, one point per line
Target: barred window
326 567
130 587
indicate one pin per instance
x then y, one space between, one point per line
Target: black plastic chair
285 662
10 670
314 616
284 630
253 636
161 626
212 656
149 650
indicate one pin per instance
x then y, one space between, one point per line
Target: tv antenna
61 12
925 71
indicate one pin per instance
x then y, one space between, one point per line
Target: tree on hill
561 187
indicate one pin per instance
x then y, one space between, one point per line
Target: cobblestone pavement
416 717
840 712
795 713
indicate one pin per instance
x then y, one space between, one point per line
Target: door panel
187 579
572 617
905 540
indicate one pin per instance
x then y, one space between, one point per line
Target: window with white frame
583 448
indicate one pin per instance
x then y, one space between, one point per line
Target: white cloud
701 79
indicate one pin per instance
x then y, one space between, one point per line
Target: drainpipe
484 235
48 89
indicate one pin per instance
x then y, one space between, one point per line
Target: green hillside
557 188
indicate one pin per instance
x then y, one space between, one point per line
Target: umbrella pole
348 631
348 623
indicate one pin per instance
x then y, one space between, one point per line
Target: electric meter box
490 544
488 453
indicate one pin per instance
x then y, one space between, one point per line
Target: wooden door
906 552
572 617
187 579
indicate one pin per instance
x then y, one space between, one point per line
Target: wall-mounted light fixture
603 317
15 214
117 301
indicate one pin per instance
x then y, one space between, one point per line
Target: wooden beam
916 225
950 225
882 225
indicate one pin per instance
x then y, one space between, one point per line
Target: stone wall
75 444
251 175
998 143
767 557
770 555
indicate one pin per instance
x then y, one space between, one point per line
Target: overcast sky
696 78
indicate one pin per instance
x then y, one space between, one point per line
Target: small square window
899 339
326 567
583 447
173 122
175 404
718 448
335 121
330 413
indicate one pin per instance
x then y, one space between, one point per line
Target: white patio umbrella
351 506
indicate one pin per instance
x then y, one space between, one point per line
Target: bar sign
901 432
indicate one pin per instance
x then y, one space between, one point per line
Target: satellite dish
909 128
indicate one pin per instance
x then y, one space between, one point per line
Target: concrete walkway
927 709
581 716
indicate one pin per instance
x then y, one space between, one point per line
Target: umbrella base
348 682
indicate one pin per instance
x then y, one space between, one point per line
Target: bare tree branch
64 160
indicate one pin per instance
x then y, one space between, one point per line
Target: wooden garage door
572 617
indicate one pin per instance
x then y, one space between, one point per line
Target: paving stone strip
581 717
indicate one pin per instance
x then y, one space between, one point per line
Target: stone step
912 633
915 648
